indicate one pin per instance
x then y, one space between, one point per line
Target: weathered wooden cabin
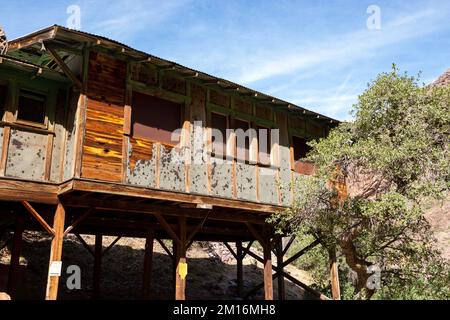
86 148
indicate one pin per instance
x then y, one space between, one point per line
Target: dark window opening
155 119
219 144
300 151
3 95
300 148
264 145
31 107
242 148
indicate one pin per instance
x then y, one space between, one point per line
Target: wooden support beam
48 157
161 243
290 278
168 228
78 221
231 250
37 216
15 256
255 233
5 147
181 272
97 266
85 245
64 66
247 249
112 188
198 228
55 252
301 252
288 245
239 268
334 275
256 288
268 282
148 259
281 287
111 245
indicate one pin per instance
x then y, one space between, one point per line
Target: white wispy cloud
342 49
124 19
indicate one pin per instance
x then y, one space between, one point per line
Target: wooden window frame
269 152
225 153
39 125
252 150
183 117
292 153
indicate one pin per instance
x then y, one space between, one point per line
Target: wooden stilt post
174 266
148 259
15 256
56 253
239 266
334 275
268 281
97 265
181 271
281 287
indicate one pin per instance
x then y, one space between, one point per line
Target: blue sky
317 54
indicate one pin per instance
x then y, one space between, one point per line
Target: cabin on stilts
98 138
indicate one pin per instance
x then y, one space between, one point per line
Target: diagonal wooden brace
38 217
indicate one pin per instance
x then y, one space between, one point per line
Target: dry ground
211 273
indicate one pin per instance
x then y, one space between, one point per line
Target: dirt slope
211 273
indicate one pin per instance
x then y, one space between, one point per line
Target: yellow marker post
183 270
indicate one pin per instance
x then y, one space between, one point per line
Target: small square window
31 107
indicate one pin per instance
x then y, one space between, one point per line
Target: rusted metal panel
221 178
172 169
102 149
268 185
58 143
284 159
26 155
141 169
69 156
246 181
198 174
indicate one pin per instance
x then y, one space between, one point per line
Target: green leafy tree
393 158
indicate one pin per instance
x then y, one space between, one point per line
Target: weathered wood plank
94 186
56 251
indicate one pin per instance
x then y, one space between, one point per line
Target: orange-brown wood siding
102 149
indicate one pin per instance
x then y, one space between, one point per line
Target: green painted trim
158 92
